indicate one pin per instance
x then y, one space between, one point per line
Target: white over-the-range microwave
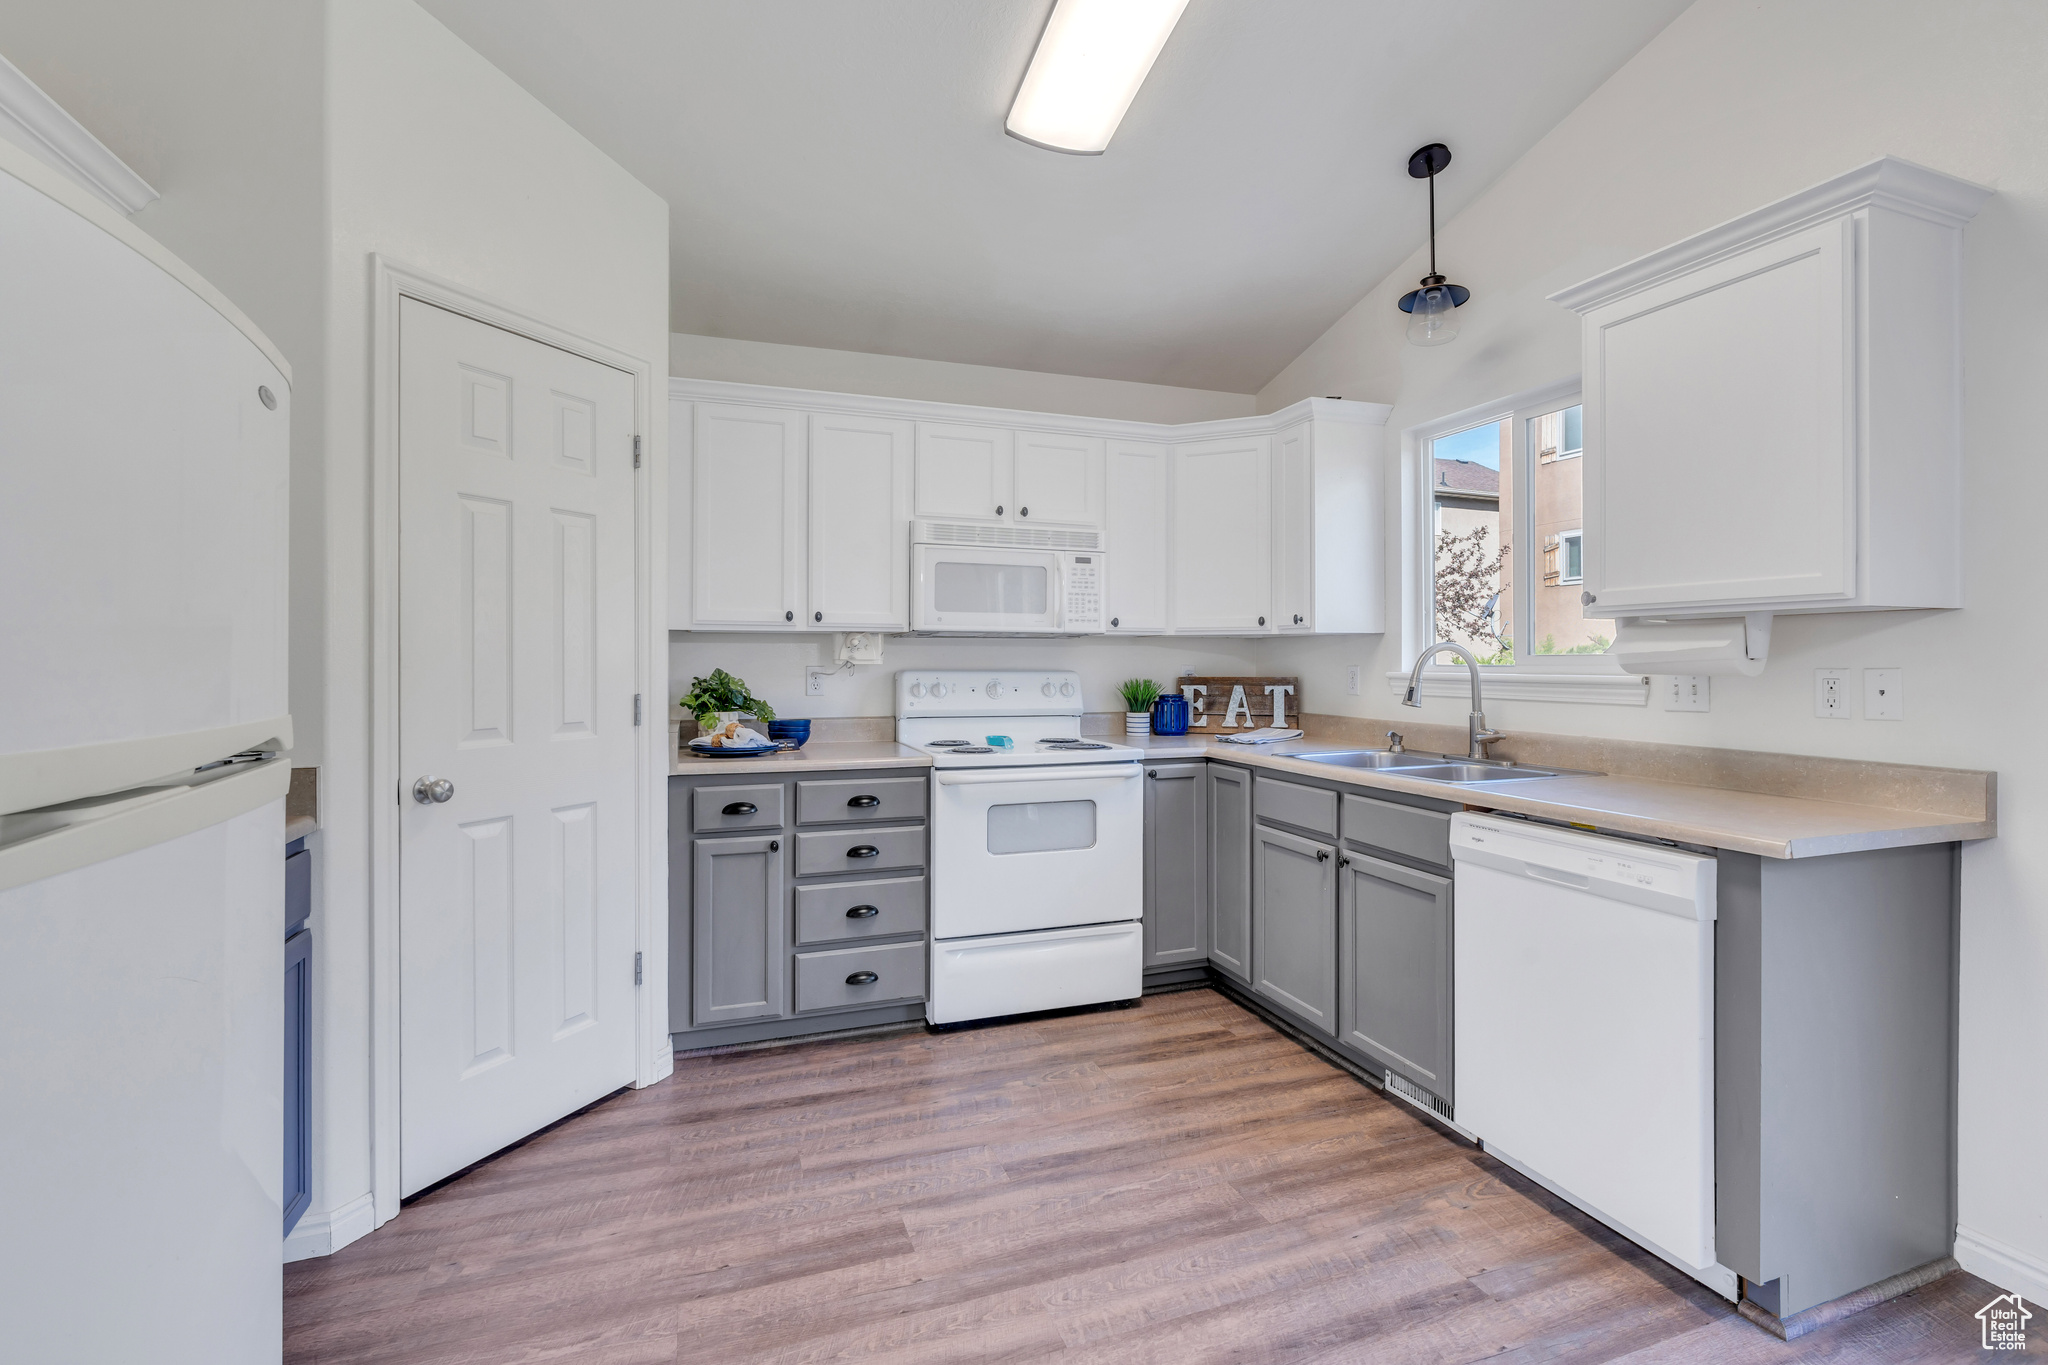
970 579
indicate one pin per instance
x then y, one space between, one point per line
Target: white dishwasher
1584 1024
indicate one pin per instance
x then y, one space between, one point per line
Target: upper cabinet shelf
1772 407
791 509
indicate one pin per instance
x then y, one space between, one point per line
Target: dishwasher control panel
1648 875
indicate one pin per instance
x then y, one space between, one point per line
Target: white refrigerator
144 445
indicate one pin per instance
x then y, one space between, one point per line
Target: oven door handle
973 777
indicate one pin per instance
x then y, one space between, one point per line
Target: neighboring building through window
1496 486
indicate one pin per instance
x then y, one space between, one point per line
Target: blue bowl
789 731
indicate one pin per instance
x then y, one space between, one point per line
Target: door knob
433 791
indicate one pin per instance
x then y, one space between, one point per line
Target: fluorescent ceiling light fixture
1091 59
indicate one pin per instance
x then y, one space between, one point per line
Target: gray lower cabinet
795 905
1294 926
1394 968
1176 864
737 945
1230 871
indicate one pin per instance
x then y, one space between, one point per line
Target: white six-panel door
516 600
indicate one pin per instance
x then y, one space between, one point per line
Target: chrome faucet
1475 727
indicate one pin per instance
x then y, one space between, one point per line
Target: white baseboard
324 1234
2013 1270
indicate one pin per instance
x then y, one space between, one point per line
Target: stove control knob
1048 689
939 689
1066 689
994 688
917 689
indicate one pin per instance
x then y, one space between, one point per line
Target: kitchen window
1497 556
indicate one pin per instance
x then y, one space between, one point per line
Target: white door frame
652 1055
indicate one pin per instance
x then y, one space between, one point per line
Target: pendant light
1432 309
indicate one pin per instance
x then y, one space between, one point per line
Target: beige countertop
817 756
1740 821
1772 826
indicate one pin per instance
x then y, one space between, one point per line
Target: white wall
441 164
945 381
1735 105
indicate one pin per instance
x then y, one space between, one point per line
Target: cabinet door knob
1587 599
1322 855
1152 772
775 845
1116 620
1262 620
1297 619
864 802
862 979
862 912
817 616
1023 511
789 616
741 808
999 509
863 851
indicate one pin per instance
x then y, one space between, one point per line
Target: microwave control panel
1084 593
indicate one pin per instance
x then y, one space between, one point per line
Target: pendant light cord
1432 222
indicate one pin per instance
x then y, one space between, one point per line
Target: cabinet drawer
859 850
1424 835
841 910
840 976
727 808
892 798
1290 803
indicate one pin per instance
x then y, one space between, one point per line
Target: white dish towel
1269 735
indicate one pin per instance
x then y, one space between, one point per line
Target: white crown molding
2006 1266
815 400
1531 684
42 126
1886 183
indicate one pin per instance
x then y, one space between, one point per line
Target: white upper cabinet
963 472
859 476
792 510
1135 545
747 517
1772 408
1222 581
1057 479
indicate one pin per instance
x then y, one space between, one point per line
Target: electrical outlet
1831 693
814 681
1686 692
1884 694
1352 686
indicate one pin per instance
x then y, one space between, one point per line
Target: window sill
1532 684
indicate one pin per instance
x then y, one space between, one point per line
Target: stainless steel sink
1431 767
1372 758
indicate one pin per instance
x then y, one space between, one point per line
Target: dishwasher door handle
1577 880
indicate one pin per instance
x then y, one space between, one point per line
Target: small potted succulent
1139 694
722 698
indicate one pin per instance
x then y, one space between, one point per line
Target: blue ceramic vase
1170 714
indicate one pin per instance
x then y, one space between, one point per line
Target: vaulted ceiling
838 175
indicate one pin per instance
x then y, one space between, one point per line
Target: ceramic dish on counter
731 751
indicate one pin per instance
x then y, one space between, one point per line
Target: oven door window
1041 827
964 586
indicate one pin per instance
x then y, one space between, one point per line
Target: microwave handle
1059 583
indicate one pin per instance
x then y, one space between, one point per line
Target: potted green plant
1139 694
721 698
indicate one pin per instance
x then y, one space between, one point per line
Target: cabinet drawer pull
862 979
775 845
741 808
862 912
864 802
863 851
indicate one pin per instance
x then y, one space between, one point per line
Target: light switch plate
1884 694
1686 692
1831 693
1353 685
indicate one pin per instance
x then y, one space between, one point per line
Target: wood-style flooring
1175 1183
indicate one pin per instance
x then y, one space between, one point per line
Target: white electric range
1037 860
